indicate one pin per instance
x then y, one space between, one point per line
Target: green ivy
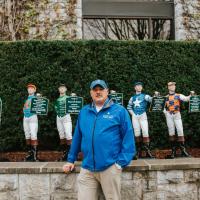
77 63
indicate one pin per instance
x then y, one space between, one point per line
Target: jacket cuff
118 166
70 160
117 163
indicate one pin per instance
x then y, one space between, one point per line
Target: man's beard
99 98
98 95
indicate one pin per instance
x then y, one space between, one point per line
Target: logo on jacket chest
108 116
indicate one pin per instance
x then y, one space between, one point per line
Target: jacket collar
108 103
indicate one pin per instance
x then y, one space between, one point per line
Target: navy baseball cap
100 83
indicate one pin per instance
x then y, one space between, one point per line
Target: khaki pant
89 182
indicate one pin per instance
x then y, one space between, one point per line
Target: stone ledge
138 165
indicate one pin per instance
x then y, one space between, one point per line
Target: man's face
99 94
31 90
172 88
62 89
138 88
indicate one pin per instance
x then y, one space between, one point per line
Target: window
127 21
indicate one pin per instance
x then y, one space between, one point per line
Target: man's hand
69 167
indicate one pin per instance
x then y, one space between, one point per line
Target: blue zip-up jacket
104 138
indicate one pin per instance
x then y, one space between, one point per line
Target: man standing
173 118
30 124
105 137
64 122
137 107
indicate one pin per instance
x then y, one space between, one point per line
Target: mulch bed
53 156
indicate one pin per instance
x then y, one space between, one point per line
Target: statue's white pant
64 126
140 122
174 121
30 125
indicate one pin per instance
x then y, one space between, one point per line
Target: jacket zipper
93 138
93 142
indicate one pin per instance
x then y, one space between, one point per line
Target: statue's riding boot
29 156
172 140
35 153
184 152
173 149
62 148
63 145
146 146
181 141
148 150
65 153
138 148
139 151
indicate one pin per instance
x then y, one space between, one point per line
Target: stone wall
141 180
187 19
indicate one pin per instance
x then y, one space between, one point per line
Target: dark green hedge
78 63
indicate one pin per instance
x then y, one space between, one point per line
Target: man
64 122
173 118
105 137
30 124
137 107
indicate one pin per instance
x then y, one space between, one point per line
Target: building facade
100 19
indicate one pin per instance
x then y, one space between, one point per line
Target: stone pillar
187 19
